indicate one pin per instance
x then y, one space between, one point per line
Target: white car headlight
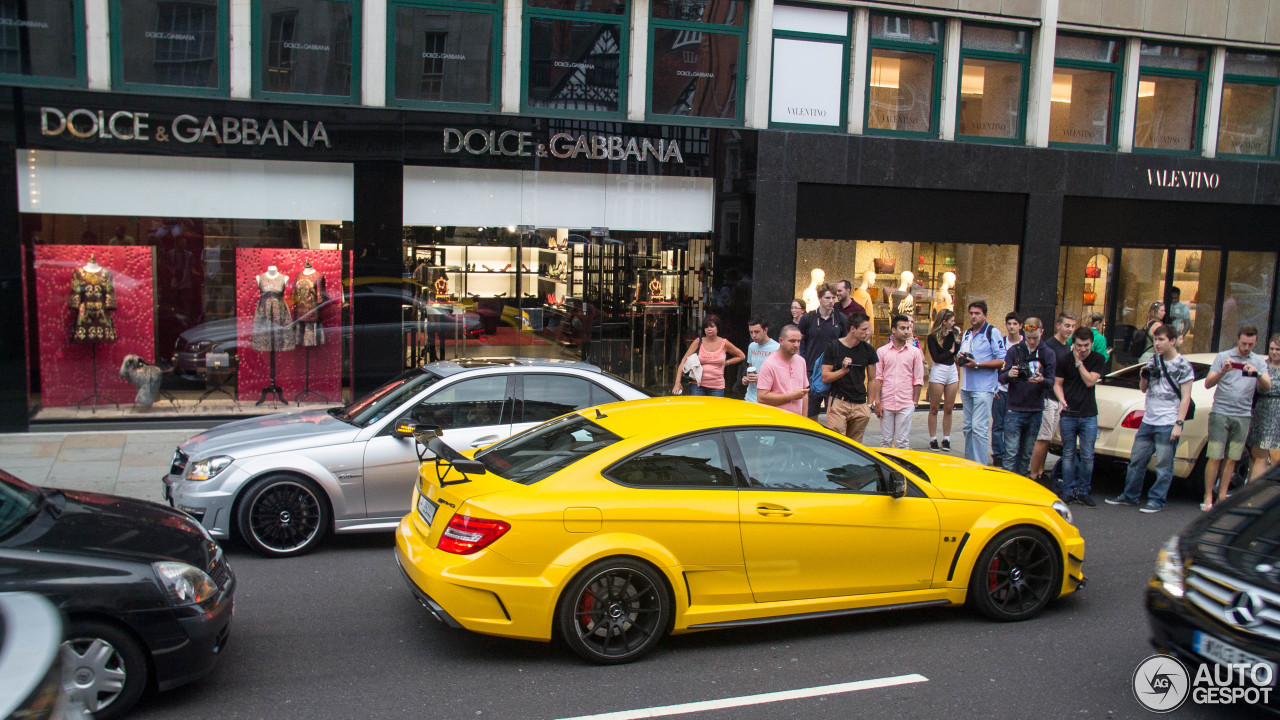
208 467
1062 509
1169 568
184 584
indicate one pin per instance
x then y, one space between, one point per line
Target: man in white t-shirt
761 347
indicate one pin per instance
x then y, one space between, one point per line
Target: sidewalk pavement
131 462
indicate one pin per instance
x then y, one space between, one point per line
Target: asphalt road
336 634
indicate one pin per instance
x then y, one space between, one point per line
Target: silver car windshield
383 401
548 448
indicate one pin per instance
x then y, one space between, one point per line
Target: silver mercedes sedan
282 482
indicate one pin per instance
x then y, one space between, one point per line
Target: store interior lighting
1146 88
885 72
973 80
1061 88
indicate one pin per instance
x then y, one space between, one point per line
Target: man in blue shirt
982 351
761 347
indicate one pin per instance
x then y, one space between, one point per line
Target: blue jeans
1020 430
997 426
977 424
697 389
1151 439
1077 465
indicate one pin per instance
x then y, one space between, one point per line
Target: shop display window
1170 98
186 316
904 74
1086 280
697 51
993 82
810 67
307 47
1140 283
42 43
1251 284
444 54
1250 93
576 56
1086 90
170 46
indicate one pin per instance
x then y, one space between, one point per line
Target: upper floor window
810 67
576 56
444 54
1171 85
1247 123
42 43
904 74
993 82
1086 90
697 53
168 46
307 47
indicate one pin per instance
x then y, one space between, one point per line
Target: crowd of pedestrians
1019 389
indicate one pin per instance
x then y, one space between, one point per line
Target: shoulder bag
1177 389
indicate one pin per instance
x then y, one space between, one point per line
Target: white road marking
760 699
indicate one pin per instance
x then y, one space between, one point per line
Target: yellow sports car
618 524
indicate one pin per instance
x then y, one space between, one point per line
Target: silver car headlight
1062 509
184 584
208 467
1169 568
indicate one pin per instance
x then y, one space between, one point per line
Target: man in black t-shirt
848 366
1078 372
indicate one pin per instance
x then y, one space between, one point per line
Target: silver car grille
179 463
1234 602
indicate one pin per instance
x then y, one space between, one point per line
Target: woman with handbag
714 354
944 378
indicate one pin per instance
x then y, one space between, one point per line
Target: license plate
426 509
1223 653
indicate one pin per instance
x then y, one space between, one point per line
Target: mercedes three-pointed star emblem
1245 608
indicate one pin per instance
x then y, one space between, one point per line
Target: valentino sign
514 143
129 126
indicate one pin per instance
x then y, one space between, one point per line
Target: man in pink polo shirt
899 377
783 380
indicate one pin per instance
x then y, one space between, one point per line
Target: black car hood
1241 536
118 528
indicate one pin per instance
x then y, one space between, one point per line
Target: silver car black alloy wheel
285 516
95 671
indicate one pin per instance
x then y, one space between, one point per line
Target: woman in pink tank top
715 354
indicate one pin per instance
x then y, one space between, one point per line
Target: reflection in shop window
695 73
433 65
1170 97
308 46
279 55
185 43
901 94
990 99
1083 97
38 39
444 54
574 65
1250 94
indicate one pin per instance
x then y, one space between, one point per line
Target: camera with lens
962 358
1145 372
1024 371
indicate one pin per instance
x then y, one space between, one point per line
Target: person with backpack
1029 373
982 353
1142 342
899 377
819 327
1166 379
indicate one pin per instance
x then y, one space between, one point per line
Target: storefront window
160 45
1170 97
1249 95
1191 300
1251 282
1140 295
993 81
696 52
576 56
1086 281
445 54
307 47
42 43
904 74
810 67
1086 73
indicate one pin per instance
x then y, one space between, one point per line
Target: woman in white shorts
944 377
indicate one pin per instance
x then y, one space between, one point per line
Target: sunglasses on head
1031 326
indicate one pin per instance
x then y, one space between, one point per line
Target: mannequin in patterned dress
271 318
92 295
308 294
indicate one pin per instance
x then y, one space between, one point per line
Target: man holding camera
982 353
1238 373
1166 380
1029 372
1077 373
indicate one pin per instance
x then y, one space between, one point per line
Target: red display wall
66 368
325 361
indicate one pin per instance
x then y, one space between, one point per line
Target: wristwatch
1178 423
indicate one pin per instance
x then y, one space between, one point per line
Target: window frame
521 384
1250 80
939 60
1202 76
740 82
81 78
259 51
494 9
1023 60
726 456
223 88
1117 88
846 53
623 21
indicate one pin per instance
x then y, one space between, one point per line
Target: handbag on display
1193 263
1092 271
1089 297
885 265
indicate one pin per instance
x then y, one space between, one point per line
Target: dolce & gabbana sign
593 146
133 126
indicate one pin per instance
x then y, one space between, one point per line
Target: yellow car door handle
769 510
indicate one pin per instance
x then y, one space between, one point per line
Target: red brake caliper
992 577
588 602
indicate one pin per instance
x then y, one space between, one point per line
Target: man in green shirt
1099 342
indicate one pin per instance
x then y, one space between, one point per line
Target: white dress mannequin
942 300
92 266
817 276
